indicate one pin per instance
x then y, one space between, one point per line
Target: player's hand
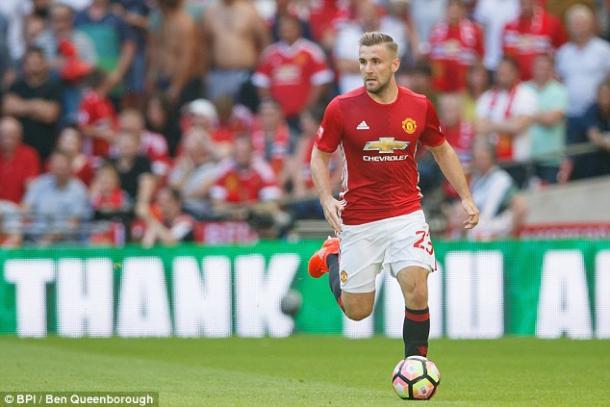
332 212
472 213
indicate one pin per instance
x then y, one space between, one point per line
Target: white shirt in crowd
15 12
582 71
492 194
493 15
425 14
499 105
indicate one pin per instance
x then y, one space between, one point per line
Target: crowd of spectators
139 120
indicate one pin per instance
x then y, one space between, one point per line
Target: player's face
377 67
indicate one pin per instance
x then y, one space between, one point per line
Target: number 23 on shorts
424 242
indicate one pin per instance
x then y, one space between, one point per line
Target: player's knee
357 313
416 294
419 296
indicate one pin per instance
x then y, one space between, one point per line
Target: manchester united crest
409 125
343 276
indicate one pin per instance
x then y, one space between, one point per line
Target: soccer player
379 219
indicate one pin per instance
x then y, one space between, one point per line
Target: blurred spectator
97 117
292 71
236 35
455 45
248 190
271 141
56 203
5 57
598 131
15 12
10 225
232 120
583 63
287 8
306 204
201 114
135 172
419 79
477 82
502 211
135 14
559 7
425 14
109 201
346 51
19 163
70 144
194 173
174 64
535 32
70 52
324 17
35 100
504 116
76 5
161 118
459 132
172 225
548 129
71 55
152 145
113 40
493 15
41 8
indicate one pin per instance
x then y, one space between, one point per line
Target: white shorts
391 244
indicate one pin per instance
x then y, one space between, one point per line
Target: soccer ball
415 378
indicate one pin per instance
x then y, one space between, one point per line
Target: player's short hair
375 37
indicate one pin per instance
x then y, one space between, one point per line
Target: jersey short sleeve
331 130
432 135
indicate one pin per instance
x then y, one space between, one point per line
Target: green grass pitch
310 370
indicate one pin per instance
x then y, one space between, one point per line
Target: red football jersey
96 110
379 142
461 137
246 185
452 50
16 171
275 150
291 71
525 39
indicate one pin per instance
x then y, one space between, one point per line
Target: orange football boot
317 266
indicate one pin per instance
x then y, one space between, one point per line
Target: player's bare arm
449 163
321 178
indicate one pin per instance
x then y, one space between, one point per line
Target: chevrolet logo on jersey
385 145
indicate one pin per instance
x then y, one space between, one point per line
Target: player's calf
416 325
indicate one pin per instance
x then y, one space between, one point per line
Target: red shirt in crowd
96 110
16 171
526 38
290 72
324 15
379 142
246 185
453 49
461 137
275 149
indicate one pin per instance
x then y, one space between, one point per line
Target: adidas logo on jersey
362 126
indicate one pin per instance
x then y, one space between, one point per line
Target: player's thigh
360 261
